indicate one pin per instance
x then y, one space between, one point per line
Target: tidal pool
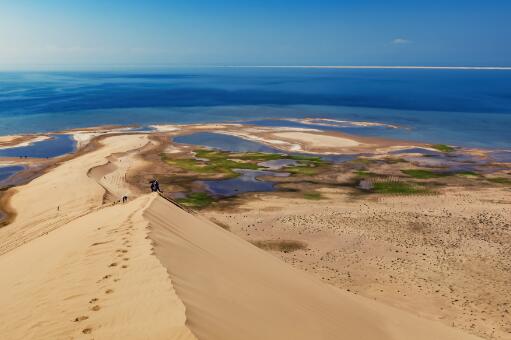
8 171
247 182
57 145
236 144
224 142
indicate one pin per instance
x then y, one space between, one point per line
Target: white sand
165 128
22 144
318 140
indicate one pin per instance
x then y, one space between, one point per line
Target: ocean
470 108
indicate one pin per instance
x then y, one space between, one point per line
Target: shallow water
8 171
236 144
247 182
503 156
224 142
57 145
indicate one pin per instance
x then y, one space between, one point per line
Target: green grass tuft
442 147
365 173
312 195
196 200
395 187
423 174
499 180
468 174
301 170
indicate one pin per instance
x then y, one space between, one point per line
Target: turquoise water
460 107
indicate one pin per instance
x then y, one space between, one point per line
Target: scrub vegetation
442 147
398 187
196 200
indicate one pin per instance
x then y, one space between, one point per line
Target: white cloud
400 41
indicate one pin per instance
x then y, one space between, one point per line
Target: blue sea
470 108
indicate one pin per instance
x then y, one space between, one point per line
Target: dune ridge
232 290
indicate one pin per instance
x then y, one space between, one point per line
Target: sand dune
233 290
149 270
63 194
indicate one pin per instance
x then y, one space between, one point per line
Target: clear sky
249 32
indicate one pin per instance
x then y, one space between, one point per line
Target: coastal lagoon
56 145
470 108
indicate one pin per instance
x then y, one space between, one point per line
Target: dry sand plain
444 257
77 264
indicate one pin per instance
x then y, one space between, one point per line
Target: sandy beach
81 264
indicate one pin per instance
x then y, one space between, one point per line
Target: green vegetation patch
222 162
214 165
196 200
301 170
398 187
393 160
365 173
247 156
469 174
424 174
312 195
499 180
442 147
366 161
307 165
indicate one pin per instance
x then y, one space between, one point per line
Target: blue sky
194 32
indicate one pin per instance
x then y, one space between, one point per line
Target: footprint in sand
124 266
116 280
81 318
113 264
93 300
126 259
87 330
109 291
96 308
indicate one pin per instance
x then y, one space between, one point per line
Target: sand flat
319 140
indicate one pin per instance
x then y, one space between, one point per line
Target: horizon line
69 67
507 68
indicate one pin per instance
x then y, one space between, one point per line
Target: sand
8 142
318 140
444 257
62 195
77 266
234 290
